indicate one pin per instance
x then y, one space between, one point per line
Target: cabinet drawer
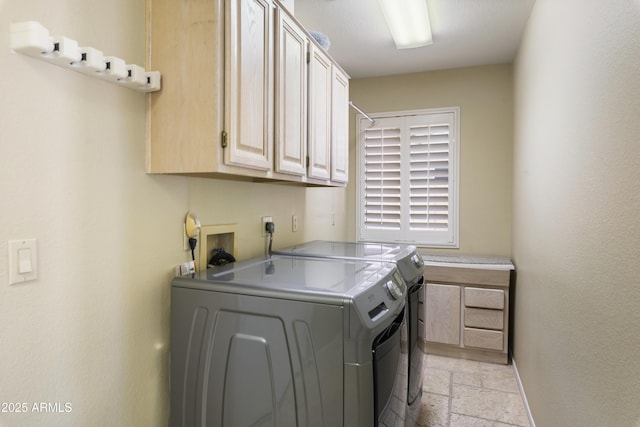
481 338
482 318
484 298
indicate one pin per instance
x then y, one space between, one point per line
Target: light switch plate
22 256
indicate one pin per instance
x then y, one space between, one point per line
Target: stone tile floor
465 393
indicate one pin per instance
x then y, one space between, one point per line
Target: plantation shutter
429 177
407 187
382 178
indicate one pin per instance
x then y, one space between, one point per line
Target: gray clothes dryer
410 265
287 341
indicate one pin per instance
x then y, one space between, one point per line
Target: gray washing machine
410 265
288 341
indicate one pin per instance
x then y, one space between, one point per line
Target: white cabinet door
291 96
340 127
442 313
320 79
249 83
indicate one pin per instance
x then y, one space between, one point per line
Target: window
408 177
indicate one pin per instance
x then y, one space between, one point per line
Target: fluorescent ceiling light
408 21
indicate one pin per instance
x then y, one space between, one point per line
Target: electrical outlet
265 220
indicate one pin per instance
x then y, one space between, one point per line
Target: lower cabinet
466 313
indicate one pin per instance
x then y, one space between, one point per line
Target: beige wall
93 329
576 213
484 95
227 202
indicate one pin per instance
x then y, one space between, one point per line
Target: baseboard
464 353
524 396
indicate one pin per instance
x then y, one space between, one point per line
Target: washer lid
297 278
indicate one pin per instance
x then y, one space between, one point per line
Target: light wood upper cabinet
320 91
328 119
240 97
291 96
340 126
249 72
185 118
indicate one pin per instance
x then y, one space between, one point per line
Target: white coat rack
32 39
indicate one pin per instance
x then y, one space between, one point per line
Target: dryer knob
394 291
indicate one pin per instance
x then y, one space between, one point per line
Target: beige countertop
468 261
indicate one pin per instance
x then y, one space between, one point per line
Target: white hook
32 39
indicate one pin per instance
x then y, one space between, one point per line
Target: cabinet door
249 83
320 79
291 96
340 127
442 313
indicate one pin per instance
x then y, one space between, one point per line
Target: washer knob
394 291
417 261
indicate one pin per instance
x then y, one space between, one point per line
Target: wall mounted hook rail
32 39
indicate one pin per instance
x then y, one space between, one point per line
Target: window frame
434 239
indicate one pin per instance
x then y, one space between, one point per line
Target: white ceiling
465 33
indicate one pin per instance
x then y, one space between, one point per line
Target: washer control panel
394 290
384 297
